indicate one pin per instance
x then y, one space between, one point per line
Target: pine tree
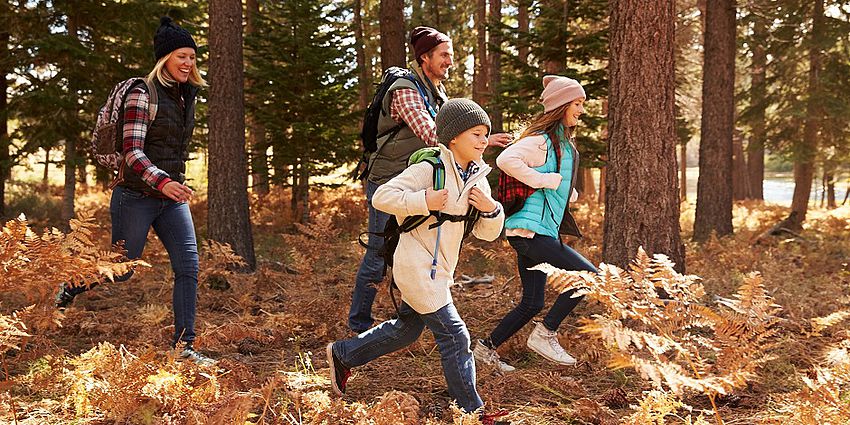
228 217
641 201
310 120
714 187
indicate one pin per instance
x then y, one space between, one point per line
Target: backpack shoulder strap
153 103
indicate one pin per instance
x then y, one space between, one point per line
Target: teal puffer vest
546 211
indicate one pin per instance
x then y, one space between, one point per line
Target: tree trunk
714 186
683 171
365 82
523 27
304 194
557 65
603 171
5 161
392 33
804 159
494 56
480 76
228 214
46 172
587 189
829 186
641 200
70 147
758 103
256 129
740 175
82 173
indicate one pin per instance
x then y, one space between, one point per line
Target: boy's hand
436 199
480 200
500 139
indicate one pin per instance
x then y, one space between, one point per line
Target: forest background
729 99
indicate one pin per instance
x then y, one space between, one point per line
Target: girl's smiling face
573 112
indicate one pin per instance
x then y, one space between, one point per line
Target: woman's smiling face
573 112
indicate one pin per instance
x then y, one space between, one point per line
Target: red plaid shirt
408 107
136 123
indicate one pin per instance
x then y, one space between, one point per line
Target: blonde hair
160 73
547 122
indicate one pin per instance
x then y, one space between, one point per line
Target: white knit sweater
404 196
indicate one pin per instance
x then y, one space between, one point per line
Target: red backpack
512 193
107 138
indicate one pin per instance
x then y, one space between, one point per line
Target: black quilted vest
168 137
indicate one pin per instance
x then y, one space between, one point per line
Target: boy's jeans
452 340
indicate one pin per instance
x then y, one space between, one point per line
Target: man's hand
499 139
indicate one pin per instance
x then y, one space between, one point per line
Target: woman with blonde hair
543 161
150 189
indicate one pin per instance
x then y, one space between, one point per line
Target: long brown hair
547 122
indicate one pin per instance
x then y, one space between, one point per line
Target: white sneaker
545 342
490 357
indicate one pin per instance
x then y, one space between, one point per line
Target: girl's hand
481 201
436 199
178 192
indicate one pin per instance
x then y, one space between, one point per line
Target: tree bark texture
758 103
740 175
714 185
5 161
523 25
804 159
683 172
494 56
256 130
480 76
228 215
70 146
364 80
393 37
641 199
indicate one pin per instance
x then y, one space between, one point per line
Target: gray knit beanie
457 116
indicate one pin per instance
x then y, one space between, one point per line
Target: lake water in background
778 188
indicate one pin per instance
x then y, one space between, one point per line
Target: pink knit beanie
558 91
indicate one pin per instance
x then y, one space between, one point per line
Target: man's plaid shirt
408 107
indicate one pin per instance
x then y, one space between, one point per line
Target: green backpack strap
431 155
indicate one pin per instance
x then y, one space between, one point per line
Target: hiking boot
490 357
545 342
63 297
339 373
189 353
492 418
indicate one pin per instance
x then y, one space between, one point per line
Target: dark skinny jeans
531 252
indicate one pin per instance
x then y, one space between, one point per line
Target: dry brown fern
676 342
823 399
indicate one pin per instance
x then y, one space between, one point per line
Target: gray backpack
107 138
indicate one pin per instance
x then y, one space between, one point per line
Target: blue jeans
371 269
531 252
452 339
133 214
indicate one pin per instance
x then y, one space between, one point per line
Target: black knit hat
457 116
170 37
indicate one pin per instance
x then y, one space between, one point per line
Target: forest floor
108 362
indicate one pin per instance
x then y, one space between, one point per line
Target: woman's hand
481 201
436 199
178 192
